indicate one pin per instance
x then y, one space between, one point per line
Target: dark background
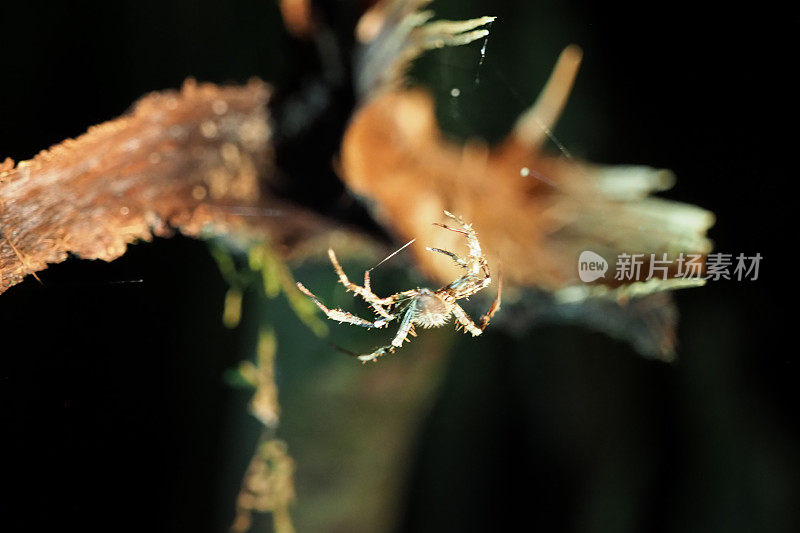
103 379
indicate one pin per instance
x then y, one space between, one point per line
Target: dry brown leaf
533 211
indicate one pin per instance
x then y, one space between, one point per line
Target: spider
420 306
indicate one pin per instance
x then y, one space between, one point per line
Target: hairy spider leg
463 318
406 327
477 262
365 292
469 325
496 304
341 315
466 286
460 262
364 358
406 324
383 350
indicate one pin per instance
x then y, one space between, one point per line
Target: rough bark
180 160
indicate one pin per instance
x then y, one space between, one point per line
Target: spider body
431 310
420 307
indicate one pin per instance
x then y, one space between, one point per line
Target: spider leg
496 304
463 318
467 285
406 328
477 262
399 297
365 292
341 315
383 350
389 300
451 228
460 262
405 325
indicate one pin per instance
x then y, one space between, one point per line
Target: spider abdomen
431 311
